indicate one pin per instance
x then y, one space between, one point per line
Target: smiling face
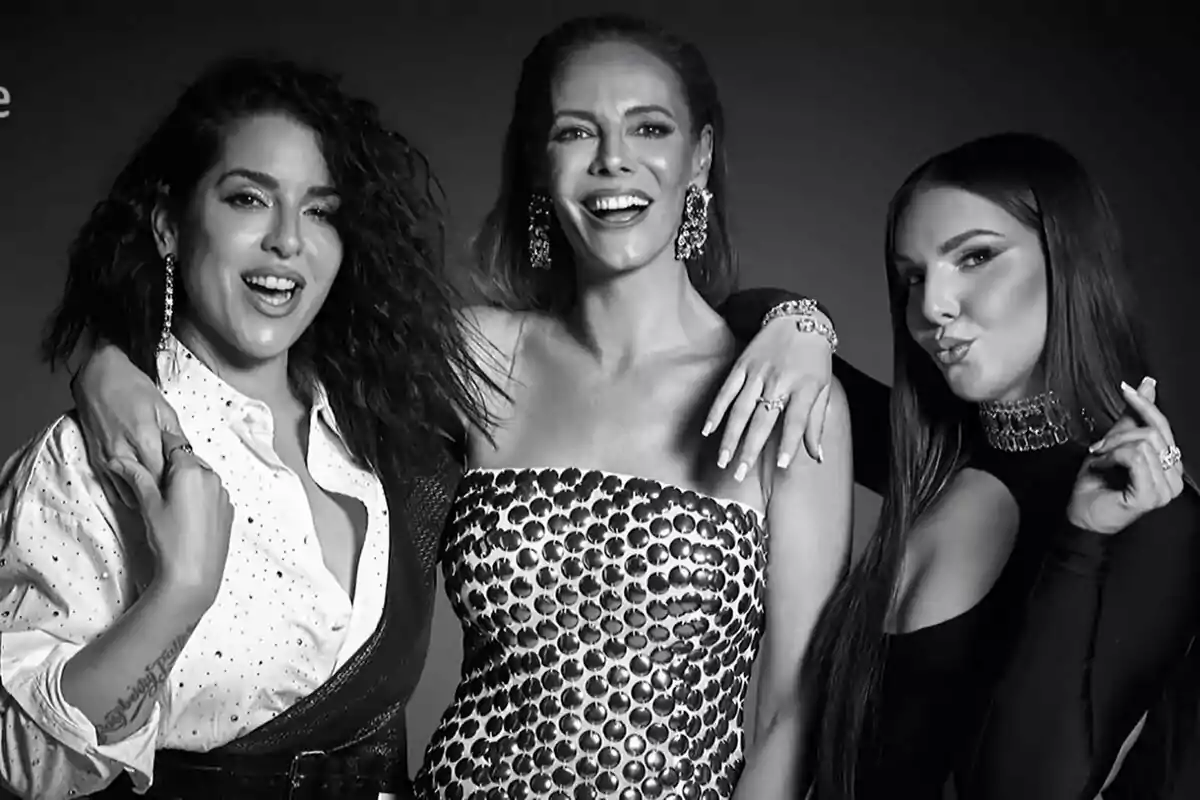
621 155
257 248
977 296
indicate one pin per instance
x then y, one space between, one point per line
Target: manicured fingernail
723 458
1095 446
741 472
707 429
1149 382
820 454
784 460
1125 387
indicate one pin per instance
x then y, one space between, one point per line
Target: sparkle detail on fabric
610 625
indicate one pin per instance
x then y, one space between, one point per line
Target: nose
284 237
940 299
612 156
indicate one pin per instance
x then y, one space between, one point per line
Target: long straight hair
501 249
1093 342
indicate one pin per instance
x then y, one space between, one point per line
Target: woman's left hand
1148 456
788 367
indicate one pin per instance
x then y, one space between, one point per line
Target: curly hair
501 249
386 345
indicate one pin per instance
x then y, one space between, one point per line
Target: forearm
773 766
117 678
1107 619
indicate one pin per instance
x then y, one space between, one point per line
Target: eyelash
983 254
652 130
245 200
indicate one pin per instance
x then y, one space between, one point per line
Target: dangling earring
168 300
539 231
693 233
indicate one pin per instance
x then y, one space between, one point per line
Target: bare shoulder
805 475
957 550
494 334
975 508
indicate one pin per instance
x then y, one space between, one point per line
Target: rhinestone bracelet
805 308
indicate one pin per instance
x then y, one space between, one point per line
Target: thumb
139 480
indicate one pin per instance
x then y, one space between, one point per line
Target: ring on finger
1170 457
772 405
185 447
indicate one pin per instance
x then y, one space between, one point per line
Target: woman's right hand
187 522
1107 503
123 416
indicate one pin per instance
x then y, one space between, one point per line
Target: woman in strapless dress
615 582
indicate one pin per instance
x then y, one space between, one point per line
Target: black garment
938 681
1031 693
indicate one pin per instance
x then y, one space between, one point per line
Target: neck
1030 423
263 380
641 313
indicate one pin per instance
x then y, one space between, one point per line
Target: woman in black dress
994 629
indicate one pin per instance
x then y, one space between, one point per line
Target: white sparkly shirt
71 562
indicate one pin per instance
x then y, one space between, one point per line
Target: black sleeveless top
1032 692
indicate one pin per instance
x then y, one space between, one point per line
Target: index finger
1149 412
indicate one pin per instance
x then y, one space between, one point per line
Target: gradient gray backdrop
829 106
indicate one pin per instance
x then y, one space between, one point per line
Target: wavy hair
501 249
1093 342
386 344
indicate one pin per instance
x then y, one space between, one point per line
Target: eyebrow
954 242
631 112
270 182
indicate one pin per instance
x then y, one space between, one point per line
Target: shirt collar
194 388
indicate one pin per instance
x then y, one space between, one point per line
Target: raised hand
1134 469
188 520
123 416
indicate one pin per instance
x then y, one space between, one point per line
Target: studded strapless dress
610 623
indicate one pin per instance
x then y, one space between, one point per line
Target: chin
622 254
968 385
266 343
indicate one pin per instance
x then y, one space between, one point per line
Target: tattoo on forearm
143 691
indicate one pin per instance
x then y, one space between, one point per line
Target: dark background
830 105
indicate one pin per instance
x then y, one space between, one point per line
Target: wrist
806 316
1083 523
187 596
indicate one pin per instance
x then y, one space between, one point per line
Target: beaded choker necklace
1031 423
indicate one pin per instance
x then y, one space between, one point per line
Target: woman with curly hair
312 353
270 598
